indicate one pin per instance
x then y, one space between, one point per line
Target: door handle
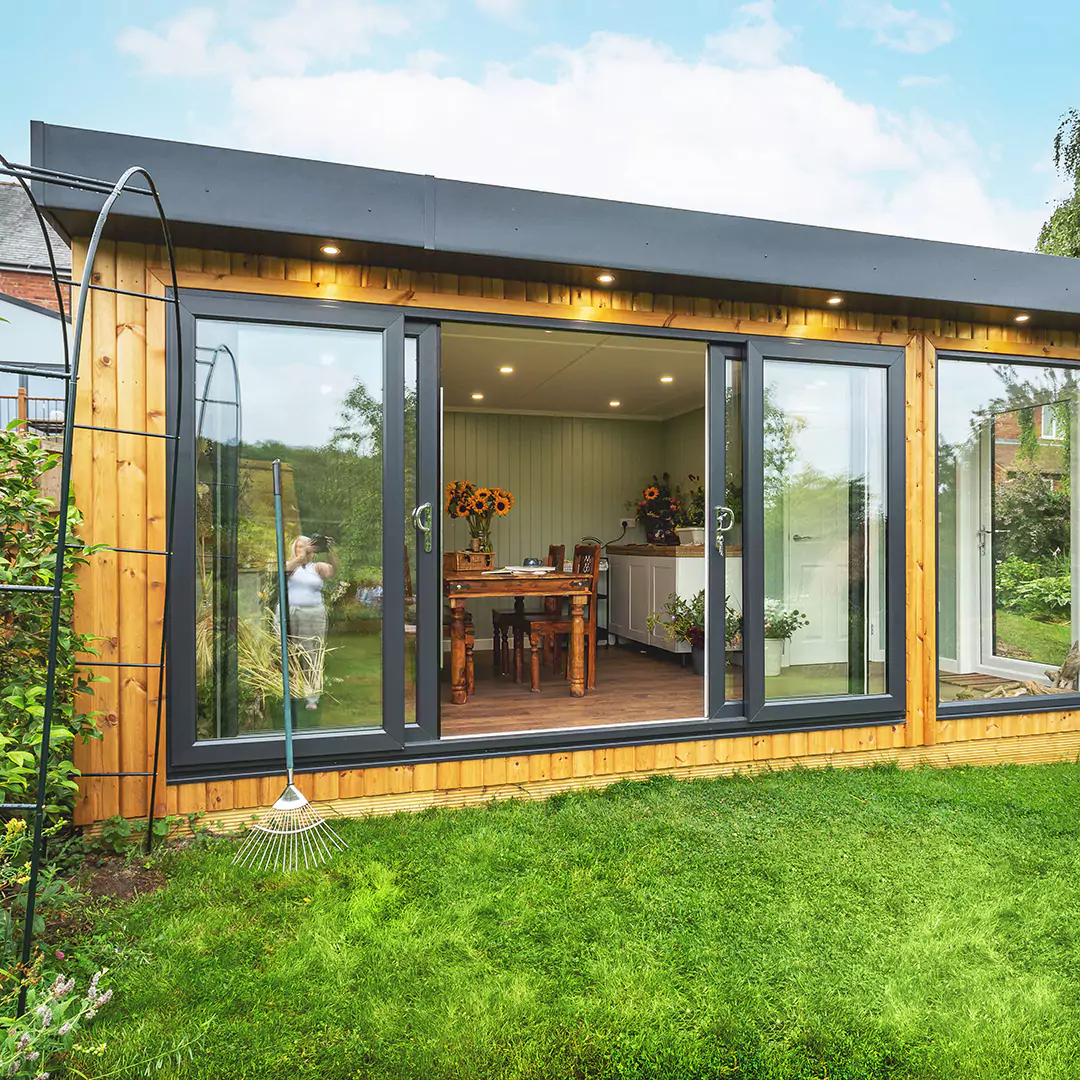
797 537
725 520
421 517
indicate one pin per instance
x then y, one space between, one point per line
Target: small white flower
66 1027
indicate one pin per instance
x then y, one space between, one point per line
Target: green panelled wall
571 476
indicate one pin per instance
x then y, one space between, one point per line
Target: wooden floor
631 687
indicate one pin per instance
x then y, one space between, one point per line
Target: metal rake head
291 836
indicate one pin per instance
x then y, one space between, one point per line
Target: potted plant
691 514
780 623
659 509
683 620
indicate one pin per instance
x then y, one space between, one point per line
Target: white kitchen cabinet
640 585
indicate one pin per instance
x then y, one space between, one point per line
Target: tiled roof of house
21 242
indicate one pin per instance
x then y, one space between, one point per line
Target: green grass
1029 639
840 924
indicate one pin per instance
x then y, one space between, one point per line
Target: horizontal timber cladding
119 486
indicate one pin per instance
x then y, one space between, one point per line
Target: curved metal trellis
26 175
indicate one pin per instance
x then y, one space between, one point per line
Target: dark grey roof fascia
241 191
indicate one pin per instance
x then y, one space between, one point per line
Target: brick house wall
34 287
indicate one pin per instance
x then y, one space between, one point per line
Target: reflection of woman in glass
307 611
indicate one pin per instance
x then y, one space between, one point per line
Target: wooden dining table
459 586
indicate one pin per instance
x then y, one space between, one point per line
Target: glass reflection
313 398
824 542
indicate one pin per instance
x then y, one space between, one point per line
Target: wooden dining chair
505 622
544 628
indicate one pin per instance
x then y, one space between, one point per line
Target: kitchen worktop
669 551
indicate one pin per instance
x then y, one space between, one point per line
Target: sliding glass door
823 532
325 390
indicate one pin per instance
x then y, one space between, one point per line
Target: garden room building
574 490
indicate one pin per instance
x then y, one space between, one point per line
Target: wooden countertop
667 551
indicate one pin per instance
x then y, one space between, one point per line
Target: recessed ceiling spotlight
614 404
667 378
506 369
330 249
478 397
1022 317
606 279
547 331
835 300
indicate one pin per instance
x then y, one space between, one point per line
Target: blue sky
907 116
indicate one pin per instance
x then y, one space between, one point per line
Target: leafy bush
1037 590
1033 518
27 557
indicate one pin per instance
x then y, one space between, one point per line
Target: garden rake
292 834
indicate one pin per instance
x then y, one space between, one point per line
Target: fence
37 415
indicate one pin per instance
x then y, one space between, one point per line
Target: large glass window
824 450
1007 615
314 399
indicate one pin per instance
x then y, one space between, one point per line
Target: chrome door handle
421 517
725 520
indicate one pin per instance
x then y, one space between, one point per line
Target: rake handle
283 616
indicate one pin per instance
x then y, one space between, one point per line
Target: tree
1060 235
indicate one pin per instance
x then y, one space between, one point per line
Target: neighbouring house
30 333
839 463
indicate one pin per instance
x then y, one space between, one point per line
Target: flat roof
263 203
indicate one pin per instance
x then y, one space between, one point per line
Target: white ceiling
567 373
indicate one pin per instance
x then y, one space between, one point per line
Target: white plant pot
785 656
774 648
690 534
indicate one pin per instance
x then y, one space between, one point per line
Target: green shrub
1039 590
27 557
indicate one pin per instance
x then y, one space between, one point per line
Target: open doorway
580 439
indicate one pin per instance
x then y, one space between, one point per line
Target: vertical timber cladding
119 487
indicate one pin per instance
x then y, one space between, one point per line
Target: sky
913 117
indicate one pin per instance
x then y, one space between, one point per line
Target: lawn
1029 639
840 924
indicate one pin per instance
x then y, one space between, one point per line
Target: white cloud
911 82
504 10
903 29
772 140
305 33
755 38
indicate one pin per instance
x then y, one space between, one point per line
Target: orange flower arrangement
479 505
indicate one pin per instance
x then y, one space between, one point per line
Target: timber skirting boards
1010 749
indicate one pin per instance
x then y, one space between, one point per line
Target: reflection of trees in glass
779 450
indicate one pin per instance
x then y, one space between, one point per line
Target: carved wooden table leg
576 660
519 636
534 661
458 693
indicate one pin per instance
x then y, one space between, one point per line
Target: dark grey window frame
882 708
959 710
252 755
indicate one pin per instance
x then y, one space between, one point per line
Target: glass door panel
724 589
1008 611
824 531
312 398
824 538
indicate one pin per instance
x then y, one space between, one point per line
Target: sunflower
479 504
502 507
651 493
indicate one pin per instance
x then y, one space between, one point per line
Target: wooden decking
631 687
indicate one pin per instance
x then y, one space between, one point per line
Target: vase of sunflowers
659 508
477 506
